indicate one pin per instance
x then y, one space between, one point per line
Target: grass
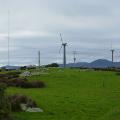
72 94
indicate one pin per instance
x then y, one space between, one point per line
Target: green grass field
74 95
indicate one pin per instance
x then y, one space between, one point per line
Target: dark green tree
52 65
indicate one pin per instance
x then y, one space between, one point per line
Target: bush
10 75
12 79
17 100
23 68
107 69
18 82
24 83
34 84
118 73
52 65
4 104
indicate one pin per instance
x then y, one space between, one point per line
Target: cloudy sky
91 27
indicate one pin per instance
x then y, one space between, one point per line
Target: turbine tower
64 51
112 50
39 59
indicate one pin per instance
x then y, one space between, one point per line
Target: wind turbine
63 45
112 51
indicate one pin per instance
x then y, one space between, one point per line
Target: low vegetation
5 110
52 65
12 79
73 94
16 101
13 103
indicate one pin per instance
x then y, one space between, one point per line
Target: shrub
4 104
24 83
34 84
14 81
23 68
9 75
38 84
118 73
17 100
18 82
52 65
13 74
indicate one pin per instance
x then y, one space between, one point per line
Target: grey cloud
88 26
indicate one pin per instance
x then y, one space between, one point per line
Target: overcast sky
88 26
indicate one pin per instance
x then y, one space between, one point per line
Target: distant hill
100 63
8 67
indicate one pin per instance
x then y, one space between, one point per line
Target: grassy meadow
74 94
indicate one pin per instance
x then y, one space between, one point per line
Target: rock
34 110
23 107
26 74
28 109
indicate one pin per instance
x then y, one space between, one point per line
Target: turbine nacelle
64 44
112 50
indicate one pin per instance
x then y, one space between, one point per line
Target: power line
74 56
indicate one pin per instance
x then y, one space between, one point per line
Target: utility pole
112 55
74 56
39 59
8 37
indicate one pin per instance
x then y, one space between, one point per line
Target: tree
52 65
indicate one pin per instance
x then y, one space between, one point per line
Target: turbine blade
61 38
60 49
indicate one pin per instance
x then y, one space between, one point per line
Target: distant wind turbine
63 45
112 51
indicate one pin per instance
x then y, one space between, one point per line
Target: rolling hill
100 63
